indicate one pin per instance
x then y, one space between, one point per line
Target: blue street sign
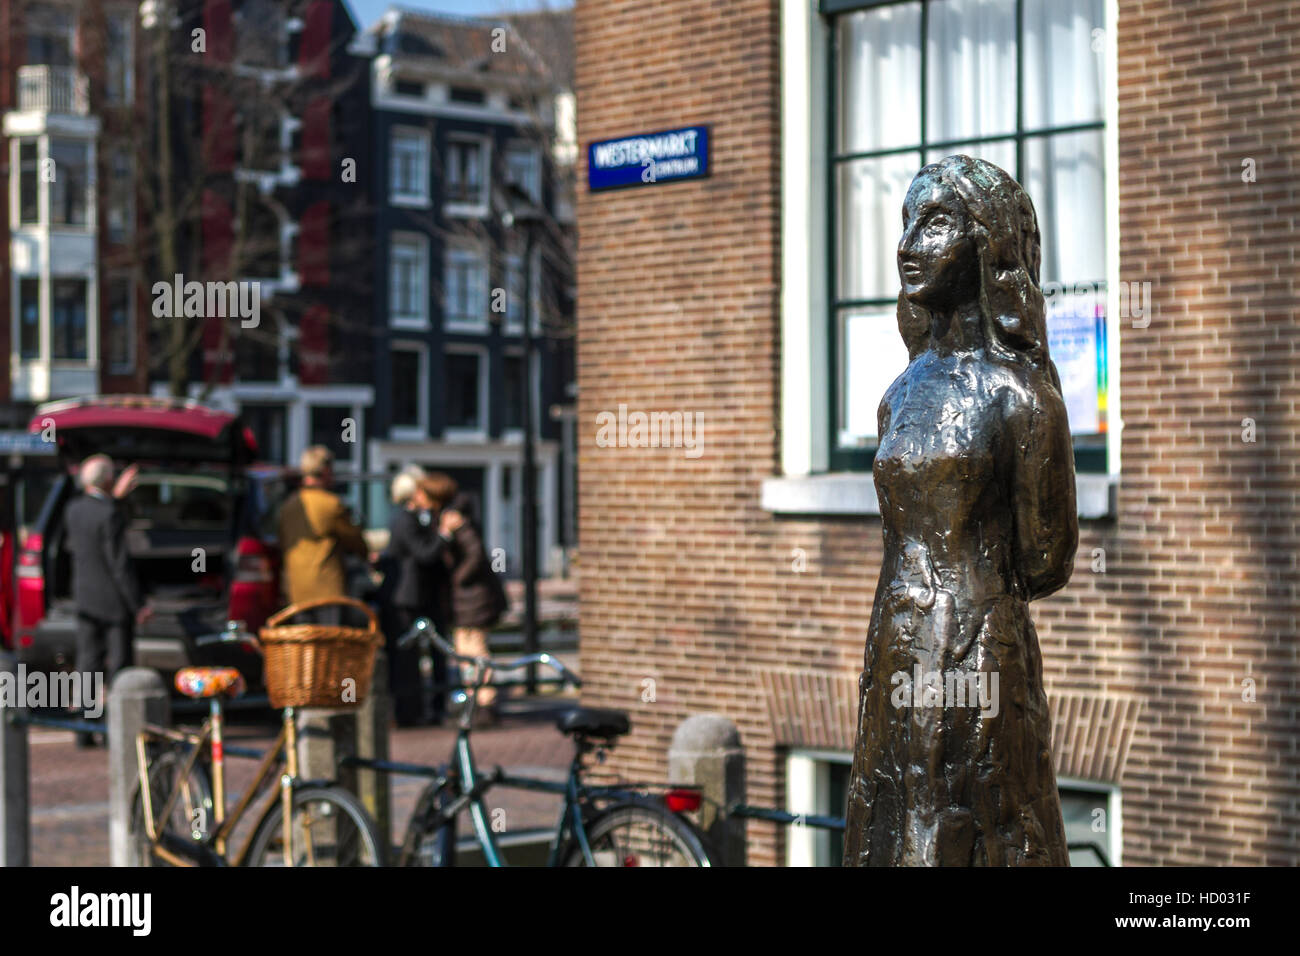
646 159
24 443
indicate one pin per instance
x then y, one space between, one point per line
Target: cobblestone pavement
69 786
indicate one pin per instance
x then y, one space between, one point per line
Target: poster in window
1076 338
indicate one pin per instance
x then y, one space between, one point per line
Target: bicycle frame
216 840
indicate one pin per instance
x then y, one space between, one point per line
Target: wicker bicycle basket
310 665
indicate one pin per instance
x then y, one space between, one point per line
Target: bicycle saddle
199 682
594 722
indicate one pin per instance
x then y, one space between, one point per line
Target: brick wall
687 582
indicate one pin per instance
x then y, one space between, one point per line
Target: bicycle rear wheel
190 816
330 827
635 834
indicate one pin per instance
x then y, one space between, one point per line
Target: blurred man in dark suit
104 587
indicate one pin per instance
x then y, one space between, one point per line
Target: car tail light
252 563
30 583
682 800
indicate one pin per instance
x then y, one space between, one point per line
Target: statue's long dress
945 785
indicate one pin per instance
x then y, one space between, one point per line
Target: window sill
410 201
852 493
459 210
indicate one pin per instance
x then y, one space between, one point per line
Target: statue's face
937 261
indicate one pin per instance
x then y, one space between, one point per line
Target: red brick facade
687 581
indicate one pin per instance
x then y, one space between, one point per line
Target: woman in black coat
416 562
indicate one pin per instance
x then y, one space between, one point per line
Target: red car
196 532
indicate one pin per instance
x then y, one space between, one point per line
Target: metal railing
53 89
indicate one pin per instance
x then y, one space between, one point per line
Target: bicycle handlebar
425 627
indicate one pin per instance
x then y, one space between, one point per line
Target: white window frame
466 253
1114 841
419 197
457 433
807 785
419 432
418 319
478 208
805 486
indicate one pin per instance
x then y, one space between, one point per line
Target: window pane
880 78
29 208
69 313
1000 153
873 355
1063 73
514 395
29 318
327 428
971 72
68 191
871 195
462 390
118 347
1064 175
405 387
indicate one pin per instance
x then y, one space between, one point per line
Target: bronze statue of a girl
975 477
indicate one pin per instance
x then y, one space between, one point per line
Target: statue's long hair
1009 247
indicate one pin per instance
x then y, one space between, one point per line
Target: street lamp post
521 211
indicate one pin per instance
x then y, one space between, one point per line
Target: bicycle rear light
681 799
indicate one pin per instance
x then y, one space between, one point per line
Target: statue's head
970 234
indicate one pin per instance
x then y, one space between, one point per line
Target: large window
49 30
408 387
523 169
29 182
120 203
118 57
466 171
465 399
410 165
1016 82
68 312
407 266
70 188
29 318
465 281
119 349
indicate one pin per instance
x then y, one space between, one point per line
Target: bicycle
598 825
182 787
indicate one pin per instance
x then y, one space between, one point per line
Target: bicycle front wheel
330 827
640 835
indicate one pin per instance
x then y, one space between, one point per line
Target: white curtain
971 69
880 70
